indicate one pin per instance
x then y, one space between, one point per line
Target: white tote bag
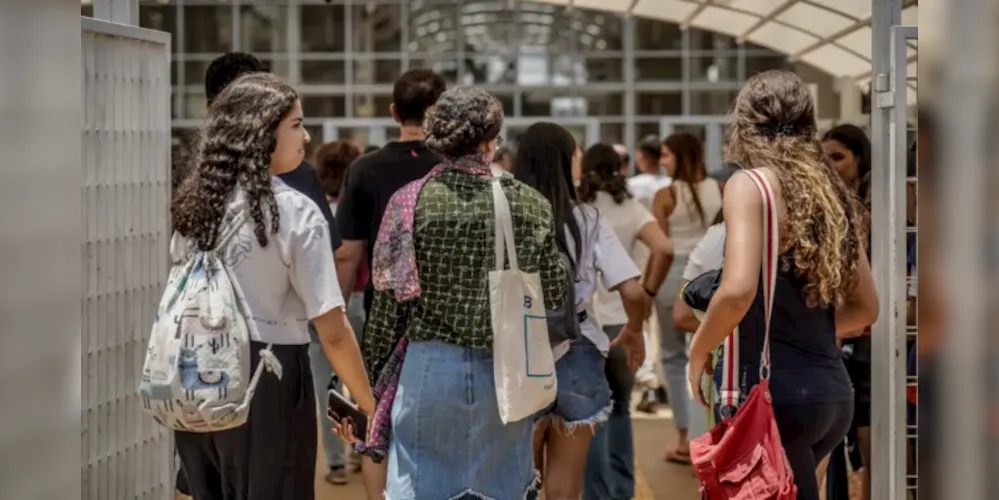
523 364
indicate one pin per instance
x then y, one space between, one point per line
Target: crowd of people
358 252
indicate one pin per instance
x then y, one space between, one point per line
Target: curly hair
234 147
332 160
461 120
602 172
773 126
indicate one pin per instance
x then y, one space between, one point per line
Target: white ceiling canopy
832 35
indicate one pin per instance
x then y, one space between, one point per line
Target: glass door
710 129
362 131
586 131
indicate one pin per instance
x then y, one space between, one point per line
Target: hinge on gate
884 97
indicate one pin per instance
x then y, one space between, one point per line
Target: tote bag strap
503 227
771 248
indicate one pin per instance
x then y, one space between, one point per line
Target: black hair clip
785 129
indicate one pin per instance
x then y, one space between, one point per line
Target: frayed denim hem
568 428
530 493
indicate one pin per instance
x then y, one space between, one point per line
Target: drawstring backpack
196 376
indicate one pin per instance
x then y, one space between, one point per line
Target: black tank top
807 365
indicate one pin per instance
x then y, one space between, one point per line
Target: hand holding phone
344 414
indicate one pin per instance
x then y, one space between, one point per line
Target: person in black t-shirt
373 178
224 70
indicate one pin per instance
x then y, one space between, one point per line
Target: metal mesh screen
126 163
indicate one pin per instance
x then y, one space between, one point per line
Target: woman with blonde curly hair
824 282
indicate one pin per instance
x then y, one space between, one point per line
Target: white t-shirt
645 186
627 220
291 280
602 254
708 255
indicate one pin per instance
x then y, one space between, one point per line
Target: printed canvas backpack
196 375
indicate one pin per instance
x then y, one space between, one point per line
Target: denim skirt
447 438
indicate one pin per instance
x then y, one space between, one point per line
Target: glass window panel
507 100
323 28
709 40
695 130
711 102
158 17
539 102
324 72
758 64
446 65
370 72
194 105
358 135
714 68
194 71
207 28
659 68
264 28
604 69
604 104
324 106
376 28
372 105
87 10
490 69
657 35
612 133
659 103
432 28
605 31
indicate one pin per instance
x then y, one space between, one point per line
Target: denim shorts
584 396
448 441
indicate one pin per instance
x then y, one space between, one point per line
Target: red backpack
742 457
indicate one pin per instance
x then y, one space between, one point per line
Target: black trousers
809 432
272 456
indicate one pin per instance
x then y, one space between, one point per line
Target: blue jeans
447 437
322 374
673 346
610 463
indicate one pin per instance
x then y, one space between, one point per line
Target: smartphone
339 408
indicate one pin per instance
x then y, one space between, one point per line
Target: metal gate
893 438
126 171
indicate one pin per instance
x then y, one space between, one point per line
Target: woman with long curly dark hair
824 282
280 258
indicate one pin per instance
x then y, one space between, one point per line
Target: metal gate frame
888 184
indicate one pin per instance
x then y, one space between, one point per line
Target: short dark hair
414 92
226 68
651 147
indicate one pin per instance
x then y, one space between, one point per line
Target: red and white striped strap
730 388
771 250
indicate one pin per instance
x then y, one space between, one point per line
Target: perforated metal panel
126 163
